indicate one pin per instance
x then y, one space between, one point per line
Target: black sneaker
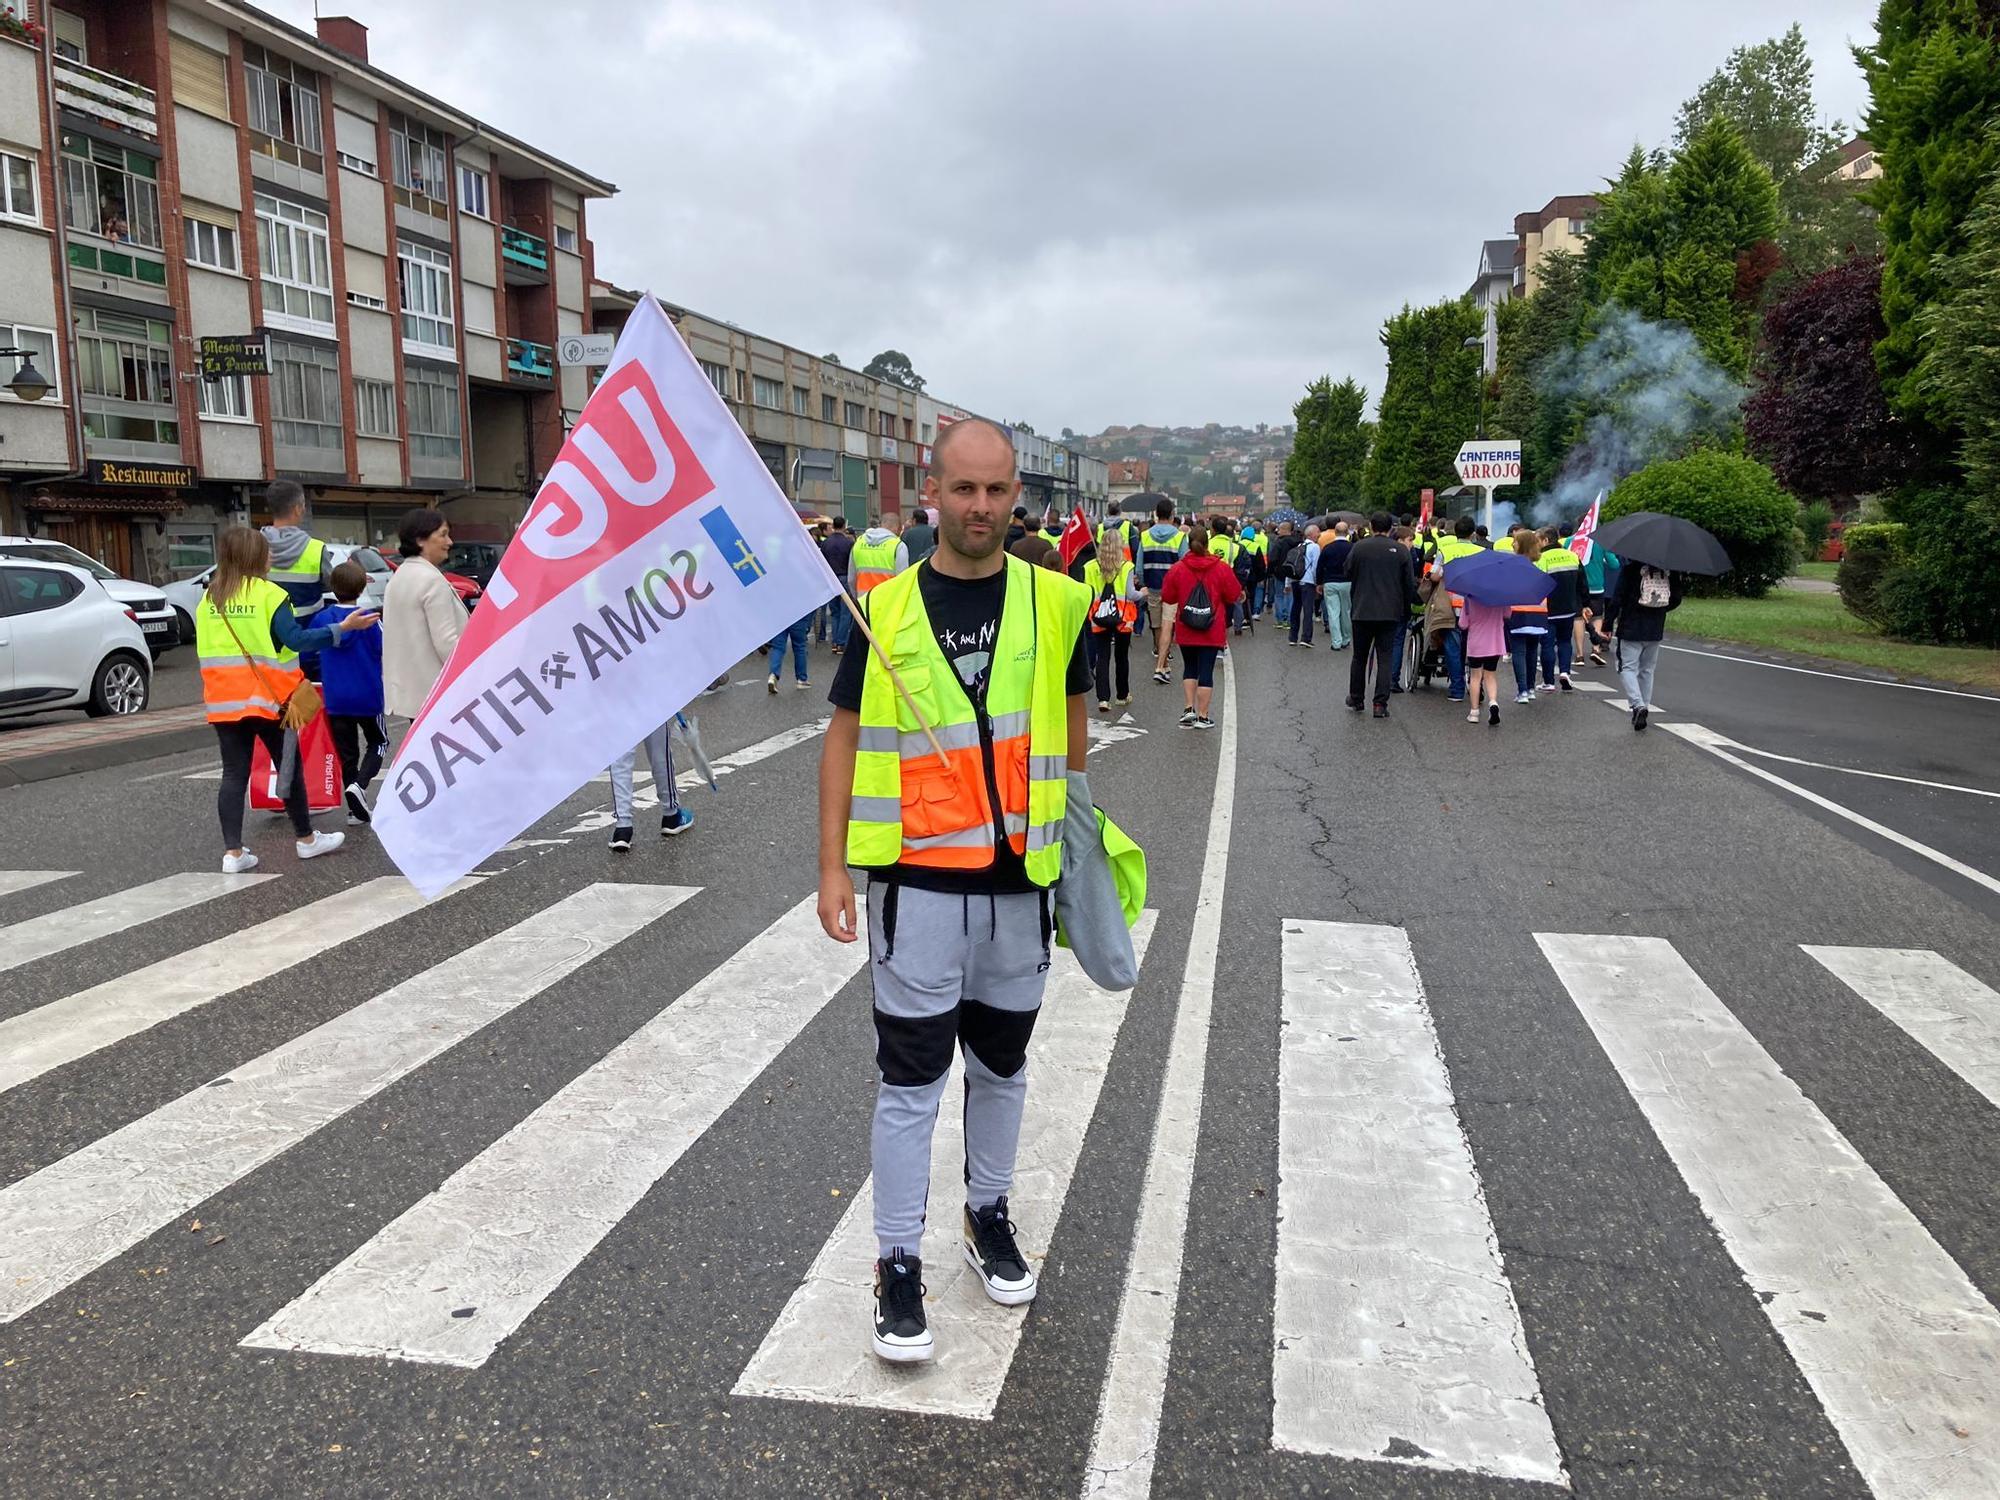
990 1250
357 806
1639 717
621 839
901 1335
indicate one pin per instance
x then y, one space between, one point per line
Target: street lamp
1480 344
28 383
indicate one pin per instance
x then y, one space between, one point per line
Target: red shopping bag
321 767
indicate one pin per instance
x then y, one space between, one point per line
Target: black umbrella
1664 541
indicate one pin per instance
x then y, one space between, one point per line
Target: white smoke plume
1651 393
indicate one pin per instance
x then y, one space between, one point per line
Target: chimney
345 34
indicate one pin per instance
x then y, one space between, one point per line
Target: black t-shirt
965 617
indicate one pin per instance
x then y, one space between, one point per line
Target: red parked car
467 589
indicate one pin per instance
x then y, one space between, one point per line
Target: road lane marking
1778 666
78 1213
1396 1331
1954 1016
1710 737
12 881
1891 1334
64 1030
92 921
1105 734
1582 685
1126 1436
814 1351
1709 740
510 1225
600 819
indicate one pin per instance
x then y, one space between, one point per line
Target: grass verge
1824 572
1819 625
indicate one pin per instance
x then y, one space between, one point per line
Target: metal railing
107 98
530 360
524 249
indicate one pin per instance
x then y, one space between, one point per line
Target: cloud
1078 215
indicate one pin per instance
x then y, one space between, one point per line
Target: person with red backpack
1199 592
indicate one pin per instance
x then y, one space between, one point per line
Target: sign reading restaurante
149 476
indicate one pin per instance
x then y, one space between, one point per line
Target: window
1579 227
210 242
111 192
927 432
31 590
431 408
742 385
478 300
125 365
423 277
909 477
284 110
362 299
72 37
718 376
829 409
17 188
374 408
297 265
566 237
200 77
472 192
354 141
769 393
227 399
908 430
851 415
801 399
190 550
416 157
39 342
305 399
885 424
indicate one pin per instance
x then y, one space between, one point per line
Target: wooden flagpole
896 677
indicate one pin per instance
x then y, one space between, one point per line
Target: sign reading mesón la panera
108 471
233 355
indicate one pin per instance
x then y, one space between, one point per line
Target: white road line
1126 1436
507 1227
64 1030
1891 1334
76 1214
1952 1014
93 921
600 819
1778 666
1711 738
815 1350
1624 706
12 881
1713 743
1585 686
1396 1331
1104 734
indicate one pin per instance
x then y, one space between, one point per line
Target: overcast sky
1080 214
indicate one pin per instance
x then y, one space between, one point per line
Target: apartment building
1858 162
387 278
1560 224
1125 478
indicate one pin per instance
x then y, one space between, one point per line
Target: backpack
1199 611
1104 613
1295 563
1655 588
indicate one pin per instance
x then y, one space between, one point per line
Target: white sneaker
236 864
320 843
803 686
771 683
1524 697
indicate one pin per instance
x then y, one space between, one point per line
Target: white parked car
66 643
148 604
184 596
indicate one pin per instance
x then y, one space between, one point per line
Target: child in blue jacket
351 683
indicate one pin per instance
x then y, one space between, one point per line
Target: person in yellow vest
299 562
1115 595
1117 524
878 556
248 641
960 843
1565 611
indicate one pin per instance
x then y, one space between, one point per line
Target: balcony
107 99
524 257
529 363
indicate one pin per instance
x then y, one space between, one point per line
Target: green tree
1430 401
1722 207
1934 84
1534 332
1330 451
1959 374
1766 92
1735 498
893 365
1631 237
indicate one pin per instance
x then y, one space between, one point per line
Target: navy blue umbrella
1498 578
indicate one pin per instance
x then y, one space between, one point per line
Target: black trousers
1375 638
350 734
1104 648
237 737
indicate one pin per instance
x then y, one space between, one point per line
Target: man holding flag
1597 563
957 743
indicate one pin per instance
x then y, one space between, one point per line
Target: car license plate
157 627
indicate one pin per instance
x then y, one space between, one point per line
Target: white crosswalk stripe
515 1221
814 1352
1952 1014
78 1213
92 921
67 1029
1891 1334
644 796
1395 1327
26 880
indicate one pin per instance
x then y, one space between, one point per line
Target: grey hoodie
287 543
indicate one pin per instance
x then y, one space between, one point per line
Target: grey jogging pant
661 755
1637 661
950 970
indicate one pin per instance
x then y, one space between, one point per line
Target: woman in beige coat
421 616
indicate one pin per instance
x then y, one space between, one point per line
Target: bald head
986 439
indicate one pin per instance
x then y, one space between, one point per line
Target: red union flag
658 552
1075 536
1581 543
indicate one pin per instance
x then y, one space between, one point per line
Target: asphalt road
1663 1355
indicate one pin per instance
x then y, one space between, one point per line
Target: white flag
657 553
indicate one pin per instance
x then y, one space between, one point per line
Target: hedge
1871 551
1736 498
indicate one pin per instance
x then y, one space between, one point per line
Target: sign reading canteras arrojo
658 552
1489 462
